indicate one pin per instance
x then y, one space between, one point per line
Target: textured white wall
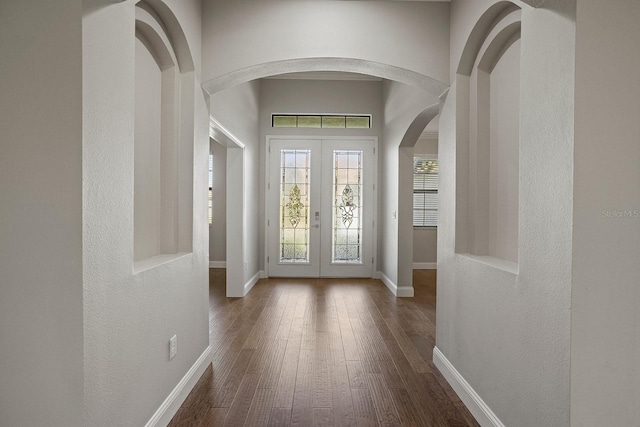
315 96
402 104
605 333
41 213
504 155
237 109
411 35
508 334
128 319
147 142
218 228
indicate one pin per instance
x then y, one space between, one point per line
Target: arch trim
487 22
173 31
499 45
350 65
418 124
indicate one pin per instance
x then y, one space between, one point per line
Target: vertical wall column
235 222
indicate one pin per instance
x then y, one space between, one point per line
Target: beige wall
605 332
237 109
402 104
41 301
243 33
507 331
129 318
218 228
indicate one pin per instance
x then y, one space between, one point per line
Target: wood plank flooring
322 352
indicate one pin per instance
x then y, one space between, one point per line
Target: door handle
316 226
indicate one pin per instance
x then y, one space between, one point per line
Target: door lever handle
316 226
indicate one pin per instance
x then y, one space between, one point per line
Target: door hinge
372 260
267 260
374 187
268 186
374 150
268 223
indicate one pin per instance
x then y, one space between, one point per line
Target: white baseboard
472 400
217 264
425 265
263 274
251 283
377 275
402 291
172 403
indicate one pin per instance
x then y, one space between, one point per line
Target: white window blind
425 192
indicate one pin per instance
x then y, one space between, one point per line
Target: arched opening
488 82
424 84
163 203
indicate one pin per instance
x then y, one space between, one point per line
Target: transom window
425 192
321 121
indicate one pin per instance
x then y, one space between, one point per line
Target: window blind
425 192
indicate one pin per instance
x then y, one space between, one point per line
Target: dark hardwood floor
322 352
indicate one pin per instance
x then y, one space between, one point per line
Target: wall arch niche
488 138
164 129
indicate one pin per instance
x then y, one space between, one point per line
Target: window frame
322 117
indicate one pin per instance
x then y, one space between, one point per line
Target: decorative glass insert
334 122
347 206
425 192
309 121
284 121
358 122
294 205
320 121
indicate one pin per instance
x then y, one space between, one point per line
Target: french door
320 208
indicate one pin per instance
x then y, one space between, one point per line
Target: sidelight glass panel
347 206
294 205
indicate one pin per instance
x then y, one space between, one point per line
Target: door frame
374 234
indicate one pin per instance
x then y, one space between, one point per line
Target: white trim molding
471 399
179 394
221 134
251 283
402 291
217 264
425 265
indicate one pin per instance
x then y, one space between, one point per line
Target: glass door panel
295 166
346 233
348 208
320 207
293 233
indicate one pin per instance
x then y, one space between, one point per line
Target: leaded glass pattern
294 205
347 206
